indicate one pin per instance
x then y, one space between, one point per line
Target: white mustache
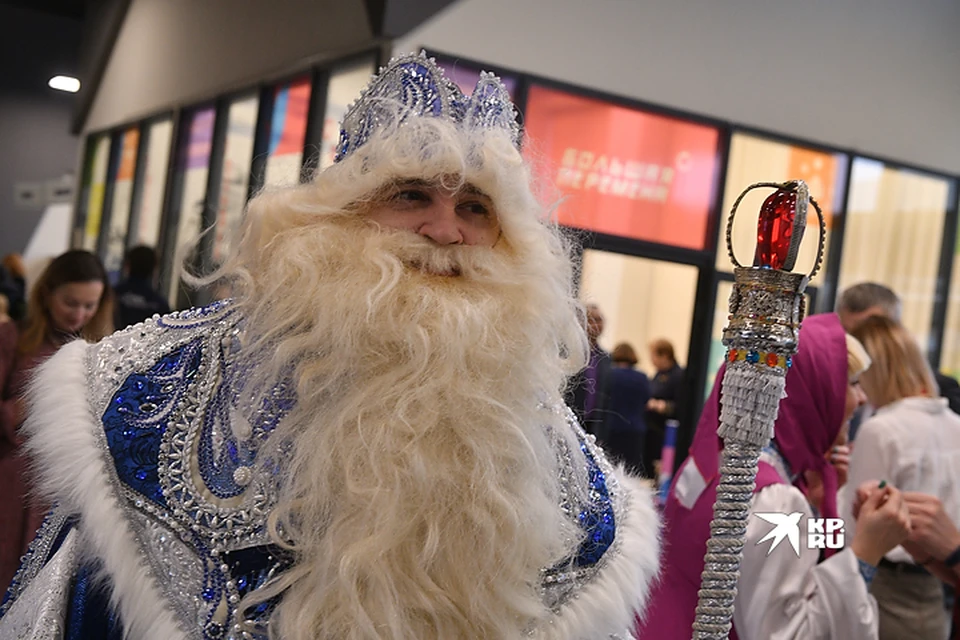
421 255
452 271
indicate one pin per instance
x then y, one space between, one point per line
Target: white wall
172 52
878 76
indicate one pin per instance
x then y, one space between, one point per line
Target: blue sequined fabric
596 518
416 85
137 417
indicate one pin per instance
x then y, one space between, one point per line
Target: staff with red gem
766 309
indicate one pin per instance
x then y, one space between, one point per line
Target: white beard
423 498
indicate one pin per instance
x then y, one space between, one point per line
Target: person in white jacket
912 440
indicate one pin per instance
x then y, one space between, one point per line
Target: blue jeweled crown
418 86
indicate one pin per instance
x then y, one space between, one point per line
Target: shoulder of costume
606 586
71 399
69 394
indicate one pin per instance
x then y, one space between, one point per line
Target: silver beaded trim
192 516
33 560
559 586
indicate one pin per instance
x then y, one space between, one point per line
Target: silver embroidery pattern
202 592
40 610
180 570
32 562
559 585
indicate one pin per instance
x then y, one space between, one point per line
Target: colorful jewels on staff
768 358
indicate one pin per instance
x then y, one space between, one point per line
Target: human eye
407 194
411 195
476 207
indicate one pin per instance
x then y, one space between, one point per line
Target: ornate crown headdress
415 86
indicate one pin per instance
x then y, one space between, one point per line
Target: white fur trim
62 440
608 605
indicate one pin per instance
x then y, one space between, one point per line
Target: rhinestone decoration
242 476
418 86
780 227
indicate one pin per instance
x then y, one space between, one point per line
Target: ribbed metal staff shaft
718 589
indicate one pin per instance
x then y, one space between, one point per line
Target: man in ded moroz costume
370 440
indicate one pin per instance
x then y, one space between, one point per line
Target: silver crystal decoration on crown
415 86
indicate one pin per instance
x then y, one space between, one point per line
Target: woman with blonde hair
71 299
913 441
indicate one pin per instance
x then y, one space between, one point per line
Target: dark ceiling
75 9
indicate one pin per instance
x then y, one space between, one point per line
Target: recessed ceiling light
64 83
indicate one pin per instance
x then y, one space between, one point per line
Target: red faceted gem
775 229
732 356
772 359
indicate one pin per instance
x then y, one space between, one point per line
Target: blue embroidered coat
164 477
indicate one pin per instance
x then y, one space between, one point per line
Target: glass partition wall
893 236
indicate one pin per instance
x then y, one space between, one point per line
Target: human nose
861 396
441 223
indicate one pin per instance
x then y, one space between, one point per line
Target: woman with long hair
70 300
912 440
783 593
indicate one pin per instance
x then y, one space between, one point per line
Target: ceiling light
64 83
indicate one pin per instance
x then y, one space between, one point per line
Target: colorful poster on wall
622 171
288 129
98 158
120 208
195 166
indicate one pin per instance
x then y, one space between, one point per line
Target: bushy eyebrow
411 182
420 183
474 191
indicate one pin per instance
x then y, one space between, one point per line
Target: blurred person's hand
656 405
839 457
882 524
863 492
934 536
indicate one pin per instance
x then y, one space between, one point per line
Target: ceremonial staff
766 308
